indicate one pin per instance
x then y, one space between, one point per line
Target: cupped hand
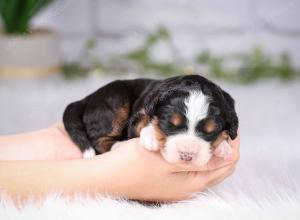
137 173
130 171
142 175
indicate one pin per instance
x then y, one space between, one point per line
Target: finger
178 168
223 146
223 176
216 174
209 178
235 144
217 162
222 137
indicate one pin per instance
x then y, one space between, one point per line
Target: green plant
17 14
250 66
142 56
74 70
253 66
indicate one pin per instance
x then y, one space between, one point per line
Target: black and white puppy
185 117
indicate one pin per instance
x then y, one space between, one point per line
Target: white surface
264 186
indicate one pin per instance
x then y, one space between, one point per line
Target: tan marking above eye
176 119
210 126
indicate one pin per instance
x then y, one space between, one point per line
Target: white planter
27 55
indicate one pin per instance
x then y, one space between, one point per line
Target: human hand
130 171
136 173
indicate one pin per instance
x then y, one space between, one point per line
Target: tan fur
222 137
159 134
121 117
144 120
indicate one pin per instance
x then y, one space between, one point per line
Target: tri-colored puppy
185 117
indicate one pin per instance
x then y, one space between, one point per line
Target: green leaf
8 13
17 14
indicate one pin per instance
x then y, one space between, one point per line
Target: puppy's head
190 112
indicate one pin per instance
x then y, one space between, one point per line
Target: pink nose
186 156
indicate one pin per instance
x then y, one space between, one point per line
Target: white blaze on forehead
196 109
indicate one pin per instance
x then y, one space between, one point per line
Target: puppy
185 117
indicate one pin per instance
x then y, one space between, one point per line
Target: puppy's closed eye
176 119
209 126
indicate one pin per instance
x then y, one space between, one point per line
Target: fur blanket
264 186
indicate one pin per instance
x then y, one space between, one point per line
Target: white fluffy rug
266 184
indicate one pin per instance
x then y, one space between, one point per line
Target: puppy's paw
223 150
90 152
147 138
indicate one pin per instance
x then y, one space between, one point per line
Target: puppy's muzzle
185 148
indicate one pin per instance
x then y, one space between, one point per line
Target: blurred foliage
249 67
142 56
138 60
74 70
88 63
17 14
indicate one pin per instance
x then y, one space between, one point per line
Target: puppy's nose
186 156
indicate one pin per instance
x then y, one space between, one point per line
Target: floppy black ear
232 121
160 92
151 102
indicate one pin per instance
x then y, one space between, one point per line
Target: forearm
21 179
130 171
47 144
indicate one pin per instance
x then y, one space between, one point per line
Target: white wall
222 26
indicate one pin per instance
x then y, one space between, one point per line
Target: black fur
97 121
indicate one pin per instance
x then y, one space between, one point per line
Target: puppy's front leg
148 138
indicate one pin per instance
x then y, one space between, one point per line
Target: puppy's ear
150 103
232 122
162 90
158 94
